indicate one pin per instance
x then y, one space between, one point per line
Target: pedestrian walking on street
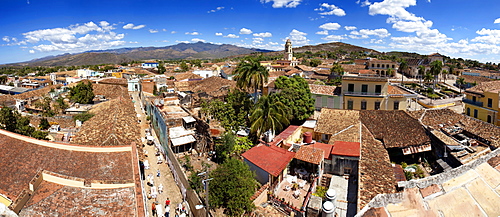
167 202
153 209
158 173
167 211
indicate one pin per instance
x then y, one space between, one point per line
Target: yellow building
482 102
373 93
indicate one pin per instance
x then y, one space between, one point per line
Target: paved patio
289 194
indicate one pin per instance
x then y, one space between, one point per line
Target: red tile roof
342 148
327 148
286 133
271 159
310 154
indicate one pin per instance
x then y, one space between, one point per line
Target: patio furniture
146 164
291 179
287 188
302 184
154 192
296 193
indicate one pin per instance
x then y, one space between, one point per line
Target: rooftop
310 154
323 89
271 159
351 149
490 86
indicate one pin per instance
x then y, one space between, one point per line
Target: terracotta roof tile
493 86
351 149
271 159
397 129
310 154
322 89
332 121
327 148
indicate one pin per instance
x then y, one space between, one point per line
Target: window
349 104
473 98
364 88
347 171
325 137
490 103
377 105
378 88
350 88
468 111
475 113
489 119
396 105
363 105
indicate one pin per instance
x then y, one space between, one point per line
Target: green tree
269 114
8 119
232 186
40 135
161 68
44 104
184 66
315 62
460 82
337 69
83 116
436 67
82 93
23 126
428 77
251 74
296 96
61 104
390 72
421 72
225 149
44 124
3 79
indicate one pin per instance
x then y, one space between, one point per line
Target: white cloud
173 32
273 43
490 36
177 41
153 30
79 37
133 42
218 33
298 37
376 41
263 35
283 3
245 31
258 40
394 8
327 9
132 26
334 37
330 26
366 33
194 40
349 28
6 39
324 32
192 33
215 10
497 20
32 51
231 36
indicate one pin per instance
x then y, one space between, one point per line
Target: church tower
288 50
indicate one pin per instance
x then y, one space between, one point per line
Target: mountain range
199 50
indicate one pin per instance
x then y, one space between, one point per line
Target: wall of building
324 101
261 175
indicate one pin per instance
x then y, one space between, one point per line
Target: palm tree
251 75
390 72
428 77
269 114
436 68
403 66
445 73
421 72
460 82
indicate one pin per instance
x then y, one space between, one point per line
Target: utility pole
205 183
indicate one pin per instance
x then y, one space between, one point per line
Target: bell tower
288 50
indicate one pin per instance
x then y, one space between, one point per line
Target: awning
189 119
183 140
416 149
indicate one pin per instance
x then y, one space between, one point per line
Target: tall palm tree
436 68
251 75
390 72
428 77
445 73
269 114
403 66
460 82
421 72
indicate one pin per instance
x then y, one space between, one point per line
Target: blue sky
458 28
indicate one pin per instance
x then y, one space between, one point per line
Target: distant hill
332 47
199 50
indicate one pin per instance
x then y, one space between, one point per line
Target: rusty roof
114 124
490 86
332 121
310 154
322 89
396 129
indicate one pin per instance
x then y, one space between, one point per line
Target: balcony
476 103
362 93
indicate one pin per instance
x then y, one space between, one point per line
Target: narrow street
170 189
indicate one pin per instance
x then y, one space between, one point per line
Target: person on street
153 209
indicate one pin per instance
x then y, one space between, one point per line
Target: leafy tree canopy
83 116
296 97
44 124
232 113
232 186
82 93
